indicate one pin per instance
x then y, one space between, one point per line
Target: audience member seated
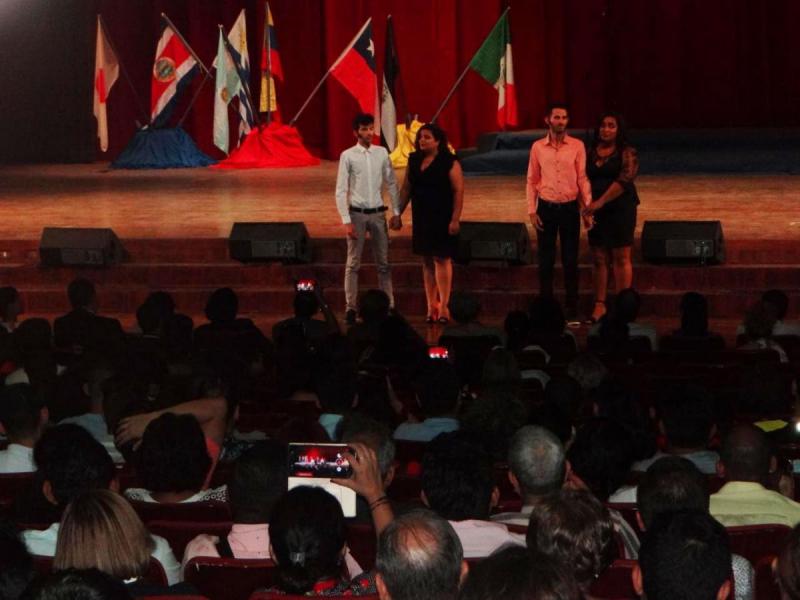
33 356
10 308
419 556
373 309
70 462
458 484
537 467
787 567
590 372
615 400
336 394
758 329
438 394
694 318
74 584
16 564
777 303
627 304
464 309
687 421
24 417
517 328
674 483
306 306
684 555
547 322
514 573
82 330
100 530
573 528
173 464
745 462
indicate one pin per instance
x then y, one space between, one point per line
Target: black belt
368 211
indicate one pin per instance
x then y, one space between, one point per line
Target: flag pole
101 23
185 43
194 98
268 50
464 72
328 72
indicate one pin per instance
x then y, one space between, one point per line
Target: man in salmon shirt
557 191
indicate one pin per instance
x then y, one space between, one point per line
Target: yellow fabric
406 138
769 426
747 503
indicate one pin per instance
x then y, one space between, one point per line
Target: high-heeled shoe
597 314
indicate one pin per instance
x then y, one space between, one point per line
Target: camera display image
438 353
305 285
319 460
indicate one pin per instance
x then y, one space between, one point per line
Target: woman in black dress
611 165
435 184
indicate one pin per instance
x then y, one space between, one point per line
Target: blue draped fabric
161 149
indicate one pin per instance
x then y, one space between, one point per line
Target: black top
432 200
622 167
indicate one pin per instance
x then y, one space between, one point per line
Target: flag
173 69
228 85
493 63
271 68
237 38
388 106
355 70
106 71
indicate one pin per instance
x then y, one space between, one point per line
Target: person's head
16 563
164 302
611 129
222 305
694 314
364 128
777 302
787 568
307 538
77 584
564 392
745 455
438 389
419 556
457 478
759 321
373 307
516 573
671 483
556 117
517 326
23 413
687 416
602 455
546 316
81 294
627 304
588 370
336 390
364 430
576 529
10 304
537 462
100 530
172 456
464 307
431 138
501 369
684 555
70 461
33 338
148 317
305 304
259 480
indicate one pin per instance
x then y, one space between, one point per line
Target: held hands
454 227
588 222
536 221
366 480
396 223
350 231
593 208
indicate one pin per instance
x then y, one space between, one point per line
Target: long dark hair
438 134
622 130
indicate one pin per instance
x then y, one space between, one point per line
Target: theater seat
274 596
228 578
180 533
754 542
210 511
766 588
43 565
615 582
363 542
11 485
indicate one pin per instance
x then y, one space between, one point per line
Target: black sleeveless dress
432 205
614 224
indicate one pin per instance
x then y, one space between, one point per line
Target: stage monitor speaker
284 242
80 247
698 242
506 242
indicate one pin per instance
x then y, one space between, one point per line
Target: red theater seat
180 533
228 578
615 582
754 542
190 511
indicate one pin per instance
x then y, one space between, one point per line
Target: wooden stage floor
203 203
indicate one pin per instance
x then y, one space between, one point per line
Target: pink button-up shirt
557 173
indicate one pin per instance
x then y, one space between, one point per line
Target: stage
175 223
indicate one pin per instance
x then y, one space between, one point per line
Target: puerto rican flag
355 70
173 69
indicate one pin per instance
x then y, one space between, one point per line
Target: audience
787 567
23 415
10 308
694 318
465 309
16 564
438 394
758 330
625 311
76 584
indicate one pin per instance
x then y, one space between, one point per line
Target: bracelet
380 501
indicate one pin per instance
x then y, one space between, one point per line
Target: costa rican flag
173 69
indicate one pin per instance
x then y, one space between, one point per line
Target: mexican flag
493 63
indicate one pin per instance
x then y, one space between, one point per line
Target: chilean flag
173 69
355 70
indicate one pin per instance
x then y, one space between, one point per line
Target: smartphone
319 461
438 353
305 285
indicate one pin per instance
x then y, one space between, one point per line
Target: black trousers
559 220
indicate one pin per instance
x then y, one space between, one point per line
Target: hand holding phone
365 479
320 461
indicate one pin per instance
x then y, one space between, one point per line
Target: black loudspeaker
506 242
79 247
284 242
698 242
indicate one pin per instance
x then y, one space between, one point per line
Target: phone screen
319 461
438 353
305 285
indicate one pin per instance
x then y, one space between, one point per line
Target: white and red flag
173 69
106 71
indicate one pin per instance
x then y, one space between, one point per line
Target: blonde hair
100 530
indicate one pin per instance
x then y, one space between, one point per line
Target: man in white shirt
363 169
23 416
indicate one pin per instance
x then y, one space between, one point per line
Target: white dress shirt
17 459
362 173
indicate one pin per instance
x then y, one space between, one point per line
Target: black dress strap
224 547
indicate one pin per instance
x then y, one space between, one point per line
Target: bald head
745 454
537 459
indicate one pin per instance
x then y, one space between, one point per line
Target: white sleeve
391 183
342 183
163 554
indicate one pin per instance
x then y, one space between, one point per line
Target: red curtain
663 63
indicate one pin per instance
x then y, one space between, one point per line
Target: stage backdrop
663 63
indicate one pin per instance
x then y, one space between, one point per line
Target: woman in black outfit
611 165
